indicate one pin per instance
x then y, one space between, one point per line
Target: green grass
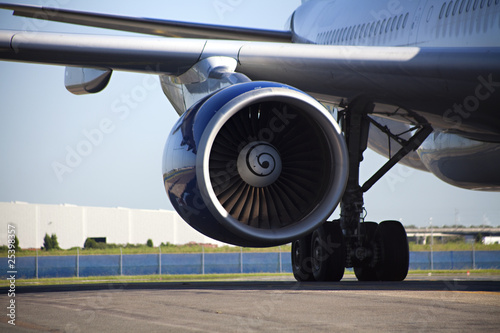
141 278
458 246
457 272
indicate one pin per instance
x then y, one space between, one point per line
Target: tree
55 243
90 243
16 243
149 243
47 243
479 238
50 242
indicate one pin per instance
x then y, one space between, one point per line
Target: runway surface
419 304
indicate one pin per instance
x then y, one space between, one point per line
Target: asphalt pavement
421 304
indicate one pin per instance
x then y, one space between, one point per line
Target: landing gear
377 252
382 253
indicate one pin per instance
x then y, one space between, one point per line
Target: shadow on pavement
410 285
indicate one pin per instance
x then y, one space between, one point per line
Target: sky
41 124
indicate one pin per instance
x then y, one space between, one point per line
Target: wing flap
149 26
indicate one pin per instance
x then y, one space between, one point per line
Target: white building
73 224
491 240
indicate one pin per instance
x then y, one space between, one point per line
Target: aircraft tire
301 259
394 251
328 252
367 272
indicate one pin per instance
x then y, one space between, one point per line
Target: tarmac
418 304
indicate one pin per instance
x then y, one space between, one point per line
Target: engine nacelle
255 164
462 162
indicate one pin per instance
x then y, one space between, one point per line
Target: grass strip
210 277
141 278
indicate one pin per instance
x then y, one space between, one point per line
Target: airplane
273 124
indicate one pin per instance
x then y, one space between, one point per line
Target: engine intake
255 164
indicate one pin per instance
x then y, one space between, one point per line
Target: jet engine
255 164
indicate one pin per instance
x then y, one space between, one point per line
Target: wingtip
5 5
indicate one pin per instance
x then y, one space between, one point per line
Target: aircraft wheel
328 252
367 272
301 259
394 251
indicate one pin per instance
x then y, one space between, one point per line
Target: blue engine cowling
255 164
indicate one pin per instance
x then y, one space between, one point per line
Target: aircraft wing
320 69
148 26
137 54
414 78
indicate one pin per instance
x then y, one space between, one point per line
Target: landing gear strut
377 252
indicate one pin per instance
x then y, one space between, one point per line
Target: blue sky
41 124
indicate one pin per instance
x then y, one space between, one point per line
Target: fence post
432 246
159 260
241 260
281 265
432 259
473 256
451 259
203 259
77 262
36 264
121 261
